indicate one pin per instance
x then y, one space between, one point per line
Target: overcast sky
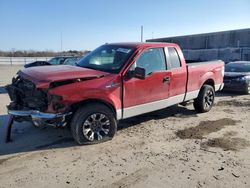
86 24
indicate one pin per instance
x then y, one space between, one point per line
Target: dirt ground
174 147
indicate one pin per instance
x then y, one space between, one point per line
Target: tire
93 123
205 100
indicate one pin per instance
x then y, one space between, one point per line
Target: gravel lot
174 147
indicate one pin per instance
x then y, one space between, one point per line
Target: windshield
107 58
237 67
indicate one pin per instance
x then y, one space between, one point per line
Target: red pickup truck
113 82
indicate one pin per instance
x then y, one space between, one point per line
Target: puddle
204 128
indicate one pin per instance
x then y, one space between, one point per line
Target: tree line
33 53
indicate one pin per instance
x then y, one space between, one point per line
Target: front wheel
93 123
205 99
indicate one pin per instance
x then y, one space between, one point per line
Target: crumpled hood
43 76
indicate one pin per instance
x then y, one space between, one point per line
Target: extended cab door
145 95
177 66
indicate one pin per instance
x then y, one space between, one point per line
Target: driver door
145 95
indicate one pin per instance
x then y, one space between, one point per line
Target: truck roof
144 44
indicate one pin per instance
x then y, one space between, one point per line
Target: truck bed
198 73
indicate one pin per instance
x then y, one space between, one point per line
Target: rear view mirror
140 73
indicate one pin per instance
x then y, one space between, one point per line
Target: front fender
93 89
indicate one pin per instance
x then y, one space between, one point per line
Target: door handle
166 79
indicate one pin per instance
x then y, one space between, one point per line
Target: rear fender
207 78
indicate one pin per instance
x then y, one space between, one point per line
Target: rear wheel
205 99
93 123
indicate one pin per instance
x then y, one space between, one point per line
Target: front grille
25 96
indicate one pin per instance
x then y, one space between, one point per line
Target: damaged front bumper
29 103
41 118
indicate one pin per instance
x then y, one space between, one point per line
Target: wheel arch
79 104
210 82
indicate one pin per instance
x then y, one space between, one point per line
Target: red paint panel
178 81
151 89
92 89
200 73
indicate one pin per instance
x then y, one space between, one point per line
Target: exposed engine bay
29 103
37 105
25 96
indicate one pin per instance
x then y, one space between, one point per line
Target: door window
152 60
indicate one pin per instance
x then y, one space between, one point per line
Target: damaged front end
29 103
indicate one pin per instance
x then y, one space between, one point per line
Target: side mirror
140 73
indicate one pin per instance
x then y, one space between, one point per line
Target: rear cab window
173 58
